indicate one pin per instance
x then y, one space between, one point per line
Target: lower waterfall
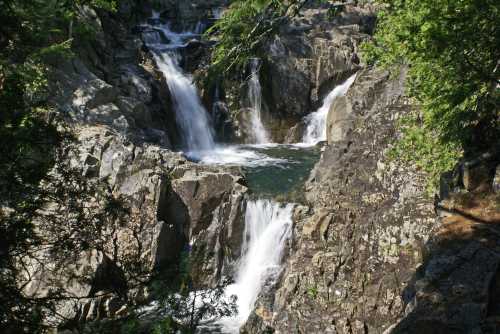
268 225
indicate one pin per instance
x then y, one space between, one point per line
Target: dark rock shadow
457 288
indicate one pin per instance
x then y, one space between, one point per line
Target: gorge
282 193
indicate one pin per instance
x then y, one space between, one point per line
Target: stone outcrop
119 109
371 255
455 290
307 59
113 83
210 204
187 15
304 61
357 249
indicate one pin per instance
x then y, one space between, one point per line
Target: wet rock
295 133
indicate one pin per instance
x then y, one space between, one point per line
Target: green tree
453 59
244 28
186 307
32 171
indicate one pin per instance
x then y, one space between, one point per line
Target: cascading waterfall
316 121
268 225
259 133
191 116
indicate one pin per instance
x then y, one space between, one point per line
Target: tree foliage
451 50
50 211
30 177
184 307
243 29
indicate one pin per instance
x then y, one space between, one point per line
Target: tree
451 51
32 169
185 307
244 28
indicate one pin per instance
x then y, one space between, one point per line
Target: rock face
456 289
301 64
308 58
173 203
120 112
210 204
113 83
190 14
371 256
357 249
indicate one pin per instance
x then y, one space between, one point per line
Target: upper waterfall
190 115
316 121
259 133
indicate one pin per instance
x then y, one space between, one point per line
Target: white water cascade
191 116
259 133
316 121
268 225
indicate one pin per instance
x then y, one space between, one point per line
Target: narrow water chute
191 116
268 226
316 122
258 132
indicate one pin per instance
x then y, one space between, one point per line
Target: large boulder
371 91
211 203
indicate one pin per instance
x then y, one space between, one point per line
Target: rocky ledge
371 255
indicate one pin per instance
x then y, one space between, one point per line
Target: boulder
211 205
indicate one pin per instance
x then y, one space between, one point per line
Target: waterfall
268 225
189 112
259 133
316 121
190 115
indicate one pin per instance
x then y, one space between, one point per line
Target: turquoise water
287 176
271 170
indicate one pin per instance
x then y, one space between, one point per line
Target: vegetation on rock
33 32
451 50
244 27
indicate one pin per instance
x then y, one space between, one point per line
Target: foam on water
241 155
268 225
